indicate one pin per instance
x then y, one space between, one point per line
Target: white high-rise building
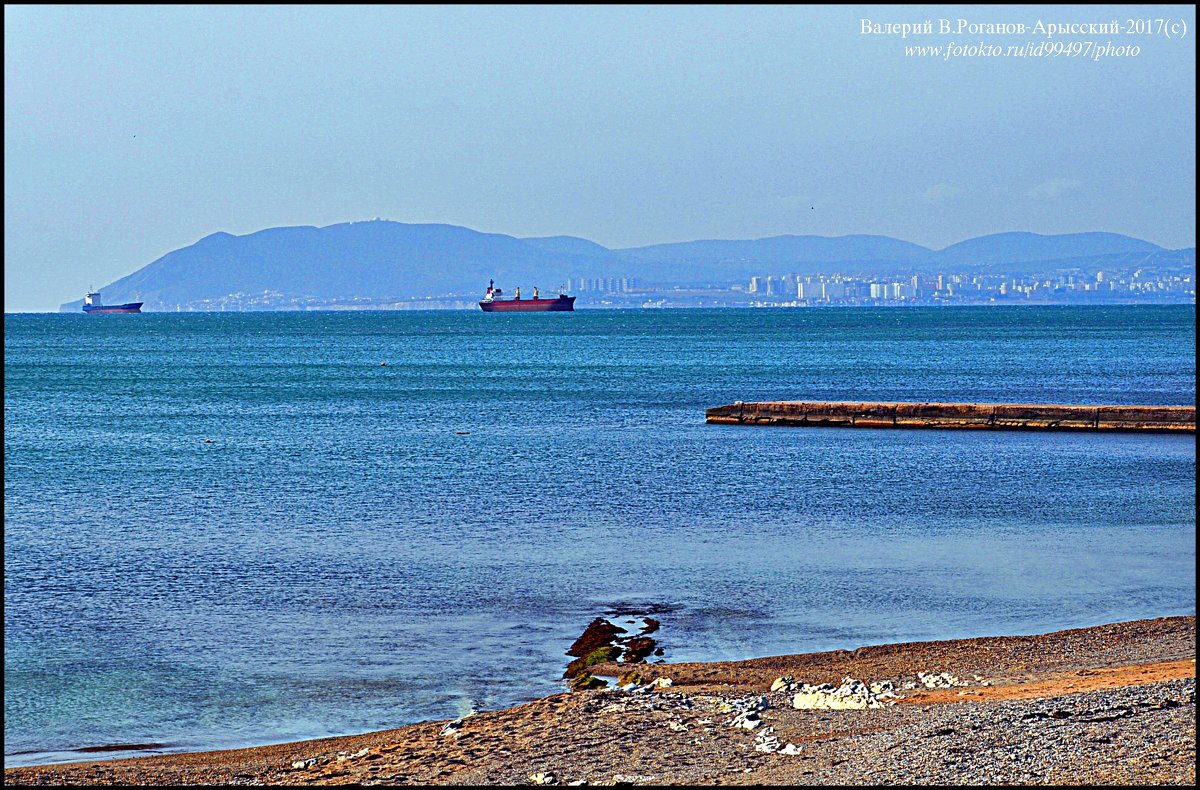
833 291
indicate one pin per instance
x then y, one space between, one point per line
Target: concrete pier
1013 416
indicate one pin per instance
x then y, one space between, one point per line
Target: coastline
1108 704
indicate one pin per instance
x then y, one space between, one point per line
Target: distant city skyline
134 131
1154 280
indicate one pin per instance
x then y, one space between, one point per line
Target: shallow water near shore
236 529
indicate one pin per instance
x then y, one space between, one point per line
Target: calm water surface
234 529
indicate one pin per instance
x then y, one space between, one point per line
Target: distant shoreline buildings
944 288
601 284
1130 286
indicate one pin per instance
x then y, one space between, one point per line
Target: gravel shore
1111 704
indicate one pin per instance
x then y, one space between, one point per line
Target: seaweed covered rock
599 633
598 656
631 676
585 682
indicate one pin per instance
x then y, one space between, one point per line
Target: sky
132 131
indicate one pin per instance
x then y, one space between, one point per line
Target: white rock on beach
747 720
883 688
453 727
943 680
851 695
766 741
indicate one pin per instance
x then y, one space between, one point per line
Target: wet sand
1110 704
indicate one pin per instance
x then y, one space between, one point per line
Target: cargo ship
92 304
492 303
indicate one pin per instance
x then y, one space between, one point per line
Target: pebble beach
1111 704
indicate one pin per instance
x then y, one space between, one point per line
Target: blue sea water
236 529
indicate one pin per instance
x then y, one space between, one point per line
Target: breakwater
1009 416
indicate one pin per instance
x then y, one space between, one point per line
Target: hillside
381 261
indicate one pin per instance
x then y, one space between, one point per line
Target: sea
236 529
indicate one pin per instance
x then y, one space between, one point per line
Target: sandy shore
1112 704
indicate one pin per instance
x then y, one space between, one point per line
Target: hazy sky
133 131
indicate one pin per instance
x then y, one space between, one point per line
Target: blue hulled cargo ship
92 304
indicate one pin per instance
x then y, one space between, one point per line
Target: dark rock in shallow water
637 648
639 608
599 633
651 625
121 747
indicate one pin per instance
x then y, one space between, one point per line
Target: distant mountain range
383 260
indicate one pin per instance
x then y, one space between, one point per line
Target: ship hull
560 304
131 307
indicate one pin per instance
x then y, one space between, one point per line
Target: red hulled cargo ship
492 303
